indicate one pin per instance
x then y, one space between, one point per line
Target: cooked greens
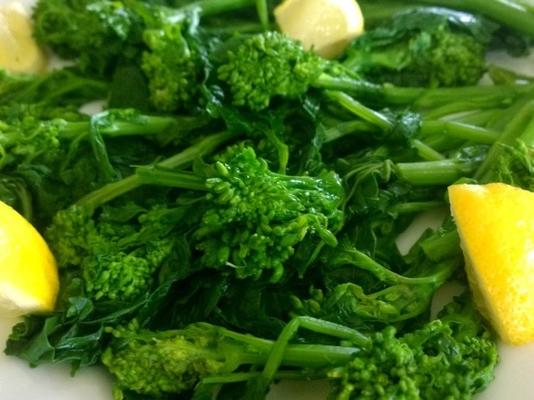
230 218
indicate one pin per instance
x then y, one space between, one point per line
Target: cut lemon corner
496 227
326 26
19 53
28 273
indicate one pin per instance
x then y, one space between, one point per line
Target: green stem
263 13
415 207
215 7
146 125
527 137
477 118
514 129
247 376
317 356
426 152
454 107
514 14
503 76
296 355
359 110
479 97
507 12
342 129
357 87
100 151
459 130
150 175
280 347
376 12
363 261
281 148
180 160
443 172
442 246
500 121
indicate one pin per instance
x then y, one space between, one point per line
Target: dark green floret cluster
224 205
425 47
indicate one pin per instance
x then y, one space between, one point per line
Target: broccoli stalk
511 158
119 256
255 218
520 127
396 297
348 255
267 65
513 14
158 363
182 159
26 137
102 34
452 356
439 172
403 126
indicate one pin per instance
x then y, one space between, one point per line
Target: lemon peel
496 227
28 273
19 53
326 26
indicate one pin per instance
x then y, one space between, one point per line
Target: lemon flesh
496 226
18 51
326 26
28 273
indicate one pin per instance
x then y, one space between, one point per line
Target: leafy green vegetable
255 217
156 363
57 88
94 32
177 244
118 254
420 364
267 65
514 14
424 47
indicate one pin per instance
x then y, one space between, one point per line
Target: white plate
514 376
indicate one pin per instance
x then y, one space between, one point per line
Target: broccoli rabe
172 65
423 47
96 33
102 34
118 258
453 356
25 137
268 65
265 66
119 252
62 87
166 362
388 298
513 14
255 218
516 166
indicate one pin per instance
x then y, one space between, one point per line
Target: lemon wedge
28 273
326 26
496 227
18 51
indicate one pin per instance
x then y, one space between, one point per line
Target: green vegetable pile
229 219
